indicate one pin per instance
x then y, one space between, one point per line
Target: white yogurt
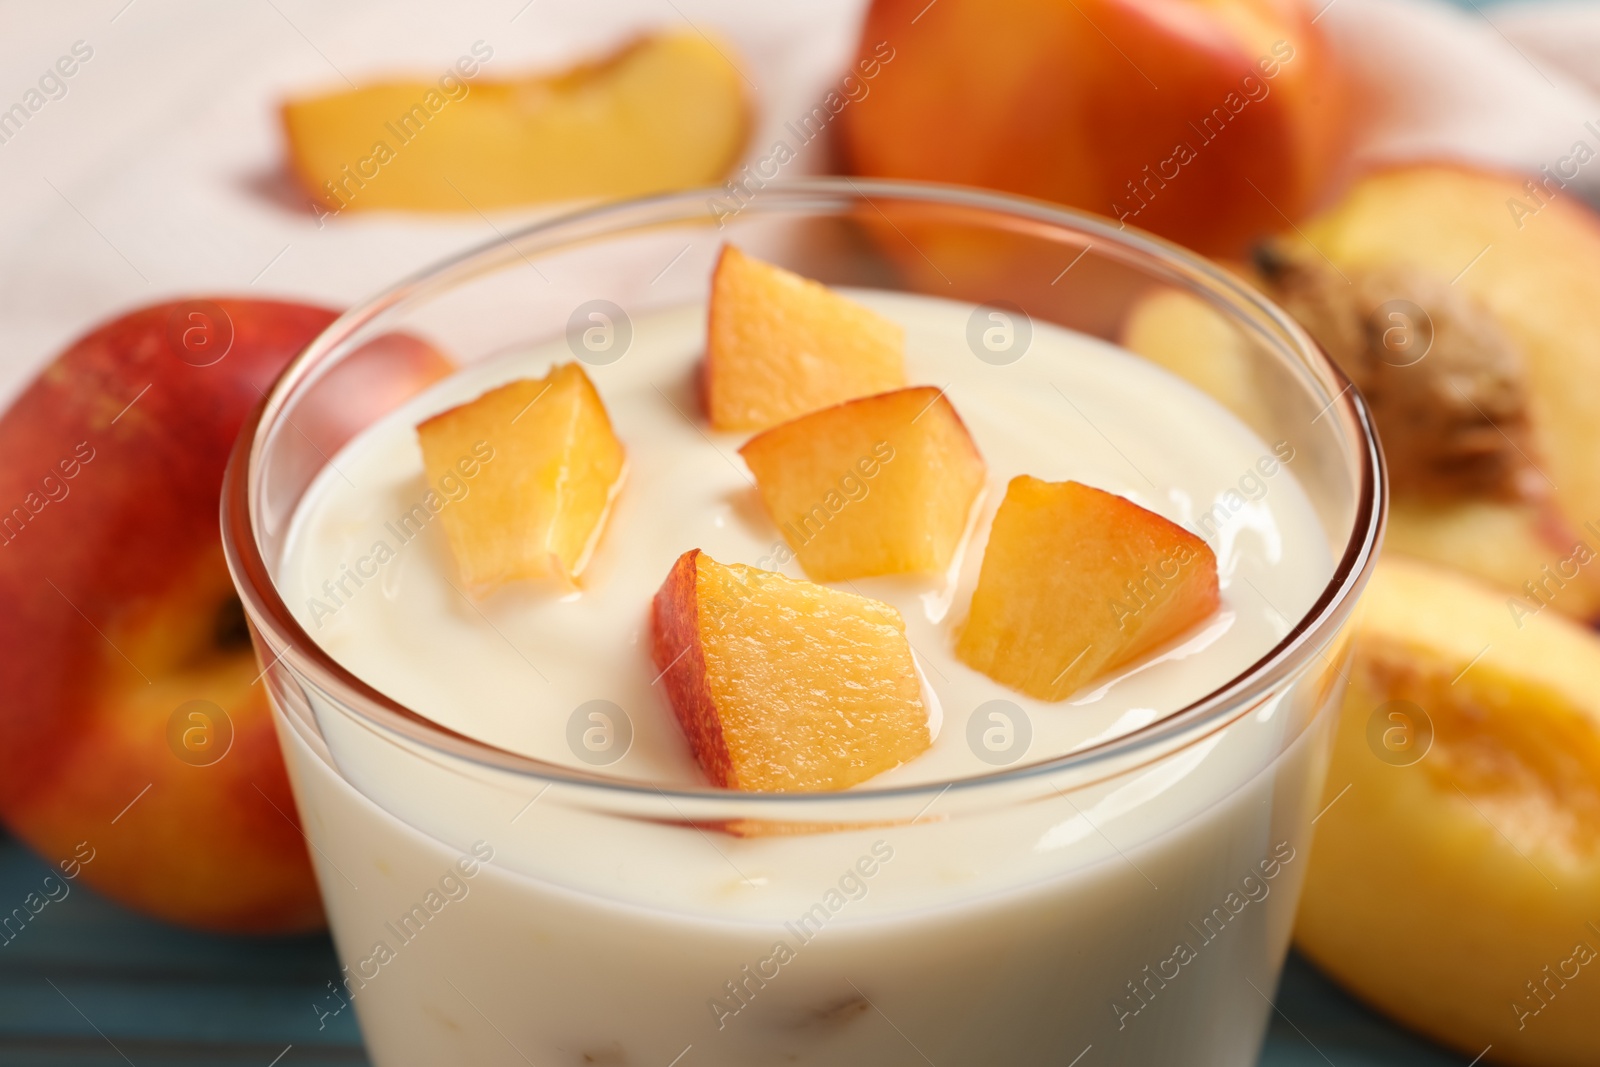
508 669
1017 934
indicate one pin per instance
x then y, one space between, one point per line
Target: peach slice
779 345
1454 881
667 112
781 685
881 485
527 473
1077 582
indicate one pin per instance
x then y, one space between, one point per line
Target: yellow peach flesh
1456 868
527 472
667 112
881 485
779 345
1076 582
783 685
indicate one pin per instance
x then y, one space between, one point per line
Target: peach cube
880 485
1077 582
779 345
781 685
548 467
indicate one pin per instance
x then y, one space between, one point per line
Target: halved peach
781 685
779 345
667 112
525 474
1454 881
881 485
1077 582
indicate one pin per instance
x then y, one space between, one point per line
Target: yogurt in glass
522 863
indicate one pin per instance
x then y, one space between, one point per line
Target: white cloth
1509 85
150 177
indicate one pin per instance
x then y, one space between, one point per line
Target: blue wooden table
89 984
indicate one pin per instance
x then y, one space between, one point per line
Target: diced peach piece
880 485
667 112
779 345
528 472
781 685
1077 582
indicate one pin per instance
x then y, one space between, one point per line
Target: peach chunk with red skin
880 485
779 345
1077 582
781 685
548 466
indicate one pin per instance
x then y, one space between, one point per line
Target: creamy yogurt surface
369 574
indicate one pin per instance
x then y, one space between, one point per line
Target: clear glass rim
292 646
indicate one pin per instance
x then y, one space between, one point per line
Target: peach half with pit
1454 881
